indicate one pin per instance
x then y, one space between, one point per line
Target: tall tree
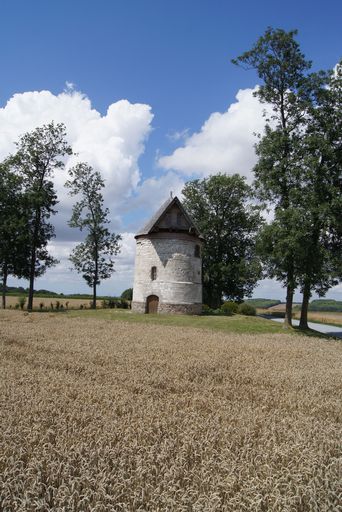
14 253
287 88
93 258
292 241
221 207
321 193
39 154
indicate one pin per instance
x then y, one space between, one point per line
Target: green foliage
39 154
277 58
215 312
127 294
285 87
320 258
278 244
229 307
14 249
221 207
115 303
326 305
246 309
93 258
263 303
298 169
22 302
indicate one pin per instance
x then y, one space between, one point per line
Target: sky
149 97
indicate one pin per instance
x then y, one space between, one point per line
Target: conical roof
154 224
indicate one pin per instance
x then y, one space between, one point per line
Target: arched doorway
152 302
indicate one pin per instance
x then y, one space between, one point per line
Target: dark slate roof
148 228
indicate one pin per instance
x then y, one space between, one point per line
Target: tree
321 197
220 206
14 253
127 294
39 154
287 88
297 240
93 258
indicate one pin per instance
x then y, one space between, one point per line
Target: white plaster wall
179 272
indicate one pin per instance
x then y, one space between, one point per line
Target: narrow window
197 251
153 273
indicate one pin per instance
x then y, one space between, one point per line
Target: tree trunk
95 278
303 323
211 296
93 306
31 286
215 300
4 284
289 301
33 260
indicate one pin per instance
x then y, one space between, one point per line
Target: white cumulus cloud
63 279
225 142
111 143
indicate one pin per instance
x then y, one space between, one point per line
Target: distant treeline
314 305
263 303
326 305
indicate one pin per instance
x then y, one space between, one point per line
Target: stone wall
184 309
138 307
179 272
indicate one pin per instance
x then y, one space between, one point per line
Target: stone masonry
168 264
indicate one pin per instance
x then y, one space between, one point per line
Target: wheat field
49 303
324 317
104 416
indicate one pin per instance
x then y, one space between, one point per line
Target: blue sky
170 57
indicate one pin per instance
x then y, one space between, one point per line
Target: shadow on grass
315 334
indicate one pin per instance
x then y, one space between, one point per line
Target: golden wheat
324 317
46 302
109 416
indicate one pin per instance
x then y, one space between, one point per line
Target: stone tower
168 263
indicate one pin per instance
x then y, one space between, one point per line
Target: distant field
11 301
99 415
281 307
324 317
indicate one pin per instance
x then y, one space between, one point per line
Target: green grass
235 323
230 324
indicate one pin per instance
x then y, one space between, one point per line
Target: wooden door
152 304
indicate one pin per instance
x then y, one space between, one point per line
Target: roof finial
171 194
